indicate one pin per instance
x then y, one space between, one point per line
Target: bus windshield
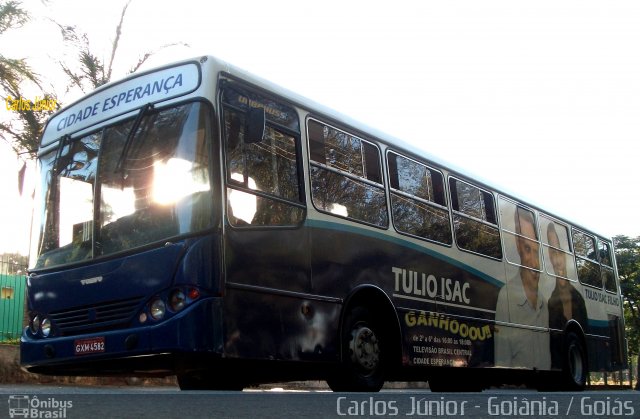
114 190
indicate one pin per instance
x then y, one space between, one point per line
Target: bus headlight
34 324
177 300
157 309
45 327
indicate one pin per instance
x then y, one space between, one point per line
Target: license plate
88 346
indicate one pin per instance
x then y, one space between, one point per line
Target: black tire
575 367
364 353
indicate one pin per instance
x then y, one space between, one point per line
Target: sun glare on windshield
173 180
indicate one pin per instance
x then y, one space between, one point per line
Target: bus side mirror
255 126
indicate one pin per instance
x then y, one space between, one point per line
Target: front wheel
575 368
364 353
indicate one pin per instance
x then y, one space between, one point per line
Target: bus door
266 246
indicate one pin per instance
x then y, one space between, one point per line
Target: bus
195 220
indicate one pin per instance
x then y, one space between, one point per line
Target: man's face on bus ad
558 259
528 251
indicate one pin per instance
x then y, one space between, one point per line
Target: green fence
12 286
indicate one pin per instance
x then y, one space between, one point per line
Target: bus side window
606 266
234 127
556 248
346 175
258 171
417 200
604 252
586 261
519 230
474 219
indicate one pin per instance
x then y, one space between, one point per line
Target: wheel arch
575 327
381 306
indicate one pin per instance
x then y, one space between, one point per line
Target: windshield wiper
63 142
132 133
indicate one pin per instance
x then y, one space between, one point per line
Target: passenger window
586 261
346 177
474 219
559 261
606 266
609 279
269 166
604 251
520 235
263 176
584 245
418 200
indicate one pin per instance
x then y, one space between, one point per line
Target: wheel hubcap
364 348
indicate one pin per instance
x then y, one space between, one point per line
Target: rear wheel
575 366
364 353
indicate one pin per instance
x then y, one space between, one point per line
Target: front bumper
159 349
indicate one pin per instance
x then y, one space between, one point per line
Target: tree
13 264
628 261
24 129
94 72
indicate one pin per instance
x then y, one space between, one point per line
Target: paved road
168 402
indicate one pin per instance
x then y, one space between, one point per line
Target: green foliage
12 15
93 72
13 264
24 130
628 262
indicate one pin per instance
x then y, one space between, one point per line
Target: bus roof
389 140
184 77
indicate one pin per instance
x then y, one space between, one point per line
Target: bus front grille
95 318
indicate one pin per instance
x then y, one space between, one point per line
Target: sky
538 98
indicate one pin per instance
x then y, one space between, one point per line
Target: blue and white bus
197 221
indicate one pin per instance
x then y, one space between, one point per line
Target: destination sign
124 97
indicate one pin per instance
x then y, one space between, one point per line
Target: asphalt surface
169 402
